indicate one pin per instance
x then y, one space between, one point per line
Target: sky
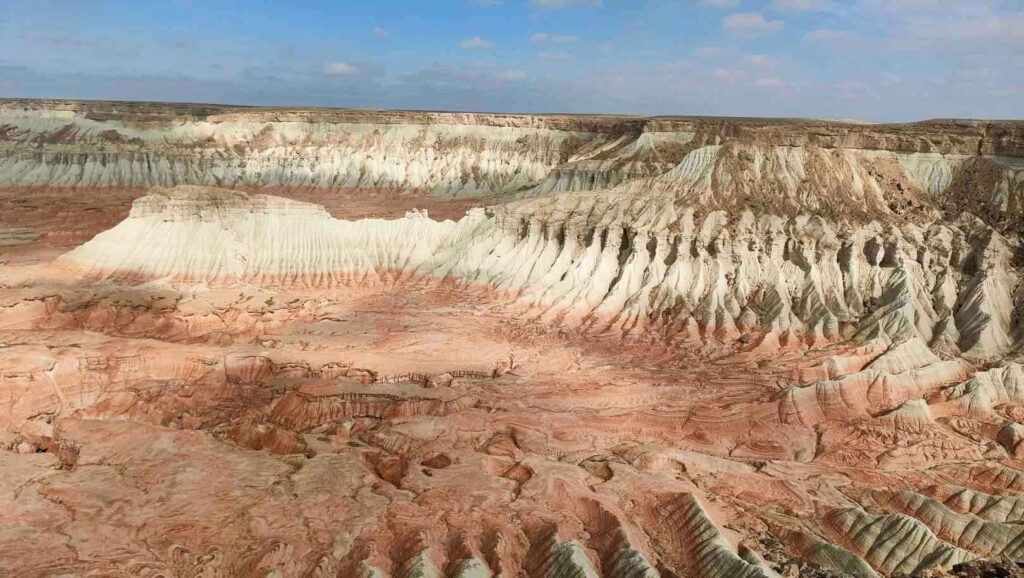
874 60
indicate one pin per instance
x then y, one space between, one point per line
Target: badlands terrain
340 343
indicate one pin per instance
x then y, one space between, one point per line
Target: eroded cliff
650 347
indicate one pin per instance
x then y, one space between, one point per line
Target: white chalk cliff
604 264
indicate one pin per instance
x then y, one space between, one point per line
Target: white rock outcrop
604 264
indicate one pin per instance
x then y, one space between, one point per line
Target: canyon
328 343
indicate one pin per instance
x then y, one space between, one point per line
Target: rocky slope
810 165
652 347
608 262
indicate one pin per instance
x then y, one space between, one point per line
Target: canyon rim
241 341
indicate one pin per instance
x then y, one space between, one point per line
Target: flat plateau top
160 111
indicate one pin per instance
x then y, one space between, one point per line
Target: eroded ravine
658 347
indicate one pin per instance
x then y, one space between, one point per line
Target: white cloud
918 7
720 3
759 60
833 38
771 83
553 55
542 37
889 79
558 4
803 5
1005 28
855 90
980 73
750 25
342 69
476 43
1014 91
950 25
710 52
677 66
512 75
728 76
64 40
380 32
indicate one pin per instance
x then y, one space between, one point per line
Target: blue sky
884 60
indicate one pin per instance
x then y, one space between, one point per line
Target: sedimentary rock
240 342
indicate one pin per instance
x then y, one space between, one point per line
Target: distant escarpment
840 168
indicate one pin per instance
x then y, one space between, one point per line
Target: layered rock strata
604 264
819 166
652 347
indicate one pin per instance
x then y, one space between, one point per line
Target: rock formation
240 342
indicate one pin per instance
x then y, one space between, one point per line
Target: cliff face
788 165
650 347
604 263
